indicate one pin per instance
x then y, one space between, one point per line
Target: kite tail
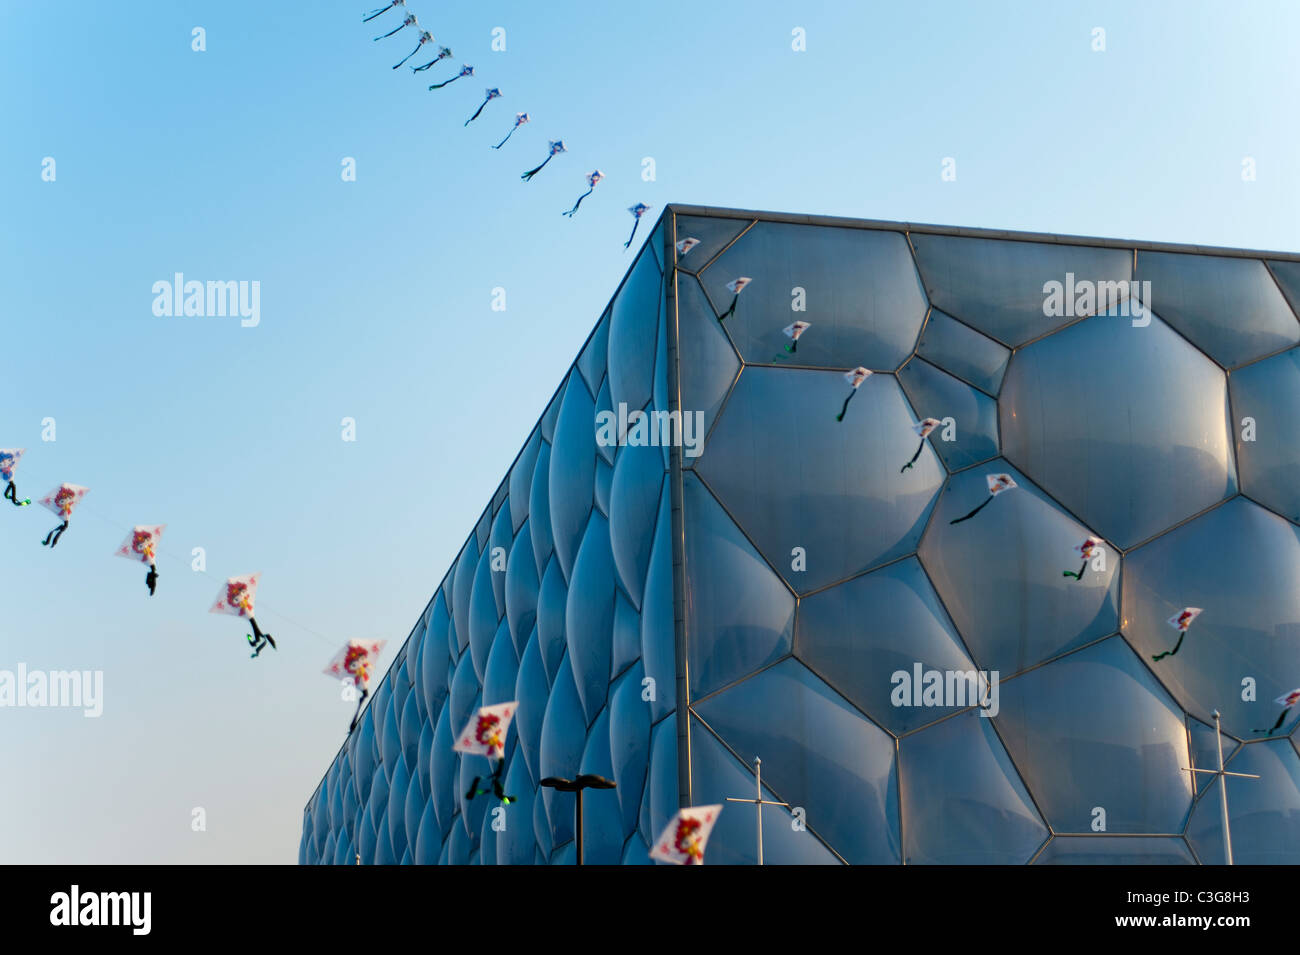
498 789
508 135
53 536
1170 653
375 13
408 56
11 494
633 235
1079 575
476 112
914 457
974 512
365 692
840 416
389 33
579 202
1281 716
438 86
532 172
151 578
731 310
792 347
421 69
473 788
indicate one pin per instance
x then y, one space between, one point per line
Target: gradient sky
376 302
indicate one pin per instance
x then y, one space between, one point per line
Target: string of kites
555 146
484 735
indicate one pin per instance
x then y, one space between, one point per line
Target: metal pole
758 783
1223 792
579 827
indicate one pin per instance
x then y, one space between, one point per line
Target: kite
142 545
410 21
520 119
354 662
1287 701
556 147
1180 622
735 287
683 839
61 501
465 70
637 211
855 378
1087 550
8 461
997 484
491 95
485 735
443 53
425 37
792 332
593 177
685 245
236 598
381 10
923 428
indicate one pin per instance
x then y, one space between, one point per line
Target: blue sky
376 302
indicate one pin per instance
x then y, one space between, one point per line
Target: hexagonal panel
713 234
707 363
846 780
1001 574
794 477
858 652
974 426
1228 306
1268 393
1239 564
1137 443
1095 731
997 286
857 287
963 352
1116 850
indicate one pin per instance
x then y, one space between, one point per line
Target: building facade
715 547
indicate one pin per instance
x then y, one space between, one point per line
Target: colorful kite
61 501
735 287
465 70
425 37
485 735
593 177
8 461
793 332
355 662
443 53
236 598
997 484
1287 701
491 95
556 147
1087 551
382 10
685 245
855 378
683 840
410 21
923 428
520 119
637 211
1180 622
142 545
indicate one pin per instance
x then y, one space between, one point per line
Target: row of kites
424 39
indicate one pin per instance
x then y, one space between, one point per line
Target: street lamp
585 781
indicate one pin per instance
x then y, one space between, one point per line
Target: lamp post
759 802
1223 788
585 781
